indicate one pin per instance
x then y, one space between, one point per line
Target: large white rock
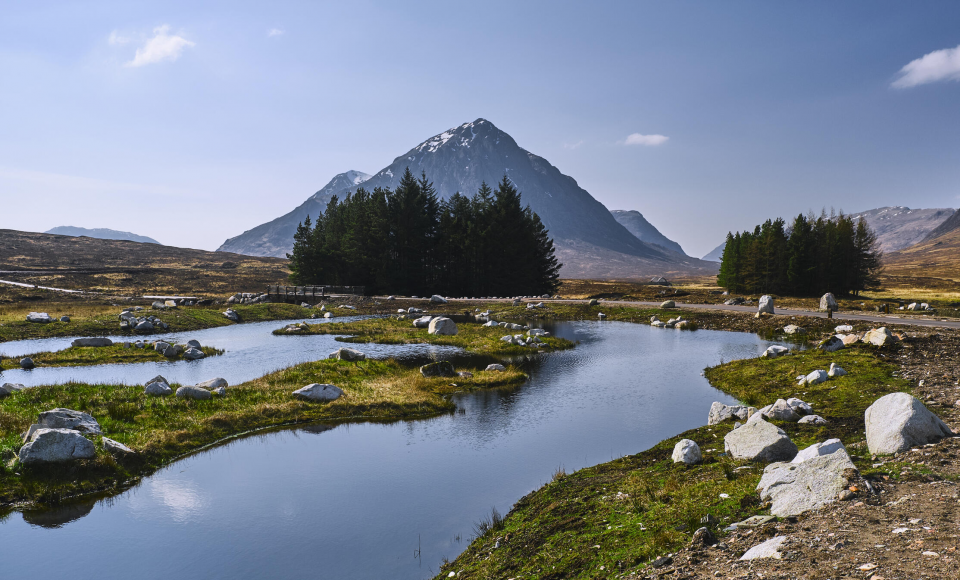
831 344
422 322
799 406
720 413
96 341
69 419
814 378
829 302
687 451
442 326
7 389
795 488
813 420
758 440
878 337
774 351
318 392
55 446
491 323
782 411
817 449
437 299
794 329
495 367
835 371
668 304
157 388
347 354
42 317
191 392
768 549
765 305
899 421
232 315
194 354
213 384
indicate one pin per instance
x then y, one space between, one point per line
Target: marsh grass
89 355
162 429
471 336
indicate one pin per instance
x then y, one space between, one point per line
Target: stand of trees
409 242
812 256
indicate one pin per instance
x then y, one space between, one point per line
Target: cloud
939 65
161 47
573 145
275 32
649 140
116 39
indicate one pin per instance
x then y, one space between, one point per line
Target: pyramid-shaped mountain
459 160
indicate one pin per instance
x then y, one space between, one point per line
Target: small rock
27 363
817 449
115 447
828 302
601 315
593 302
774 351
831 344
768 549
69 419
495 367
813 420
232 315
794 329
845 495
465 374
703 537
194 354
814 378
7 389
214 384
437 299
438 369
193 343
64 319
835 371
40 317
668 304
442 326
782 411
328 315
719 413
347 354
758 440
878 337
422 322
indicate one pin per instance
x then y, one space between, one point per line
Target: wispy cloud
116 38
648 140
573 145
939 65
160 47
275 32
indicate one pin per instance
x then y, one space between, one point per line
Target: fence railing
304 292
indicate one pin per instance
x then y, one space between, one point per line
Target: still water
377 501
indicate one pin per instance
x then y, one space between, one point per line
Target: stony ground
908 528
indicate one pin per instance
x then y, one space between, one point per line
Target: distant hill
102 233
950 225
638 225
459 160
898 227
716 254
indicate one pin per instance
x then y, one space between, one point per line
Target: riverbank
615 519
471 336
79 356
160 430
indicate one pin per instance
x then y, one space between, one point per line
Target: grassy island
76 356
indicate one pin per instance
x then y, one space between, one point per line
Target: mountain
899 227
101 233
275 238
638 225
716 254
459 160
951 224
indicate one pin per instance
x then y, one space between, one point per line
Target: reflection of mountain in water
59 516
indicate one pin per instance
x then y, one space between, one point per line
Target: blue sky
191 122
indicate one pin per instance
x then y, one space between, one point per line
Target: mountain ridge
638 225
100 233
459 160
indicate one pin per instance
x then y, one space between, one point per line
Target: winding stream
371 501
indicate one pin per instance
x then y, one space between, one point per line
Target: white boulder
495 367
96 341
115 447
213 384
878 337
41 317
829 302
720 413
69 419
55 446
765 305
774 351
758 440
442 326
815 378
318 392
347 354
191 392
687 451
817 449
795 488
768 549
899 421
835 371
813 420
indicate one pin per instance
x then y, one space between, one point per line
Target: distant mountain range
102 233
638 225
589 241
716 254
899 227
951 224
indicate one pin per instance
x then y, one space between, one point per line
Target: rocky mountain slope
101 233
275 238
459 160
898 227
638 225
951 224
715 254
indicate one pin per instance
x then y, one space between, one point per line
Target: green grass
578 523
471 336
101 320
89 355
162 429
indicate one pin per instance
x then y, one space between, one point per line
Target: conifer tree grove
407 241
811 256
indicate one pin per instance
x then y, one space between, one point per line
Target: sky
191 122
